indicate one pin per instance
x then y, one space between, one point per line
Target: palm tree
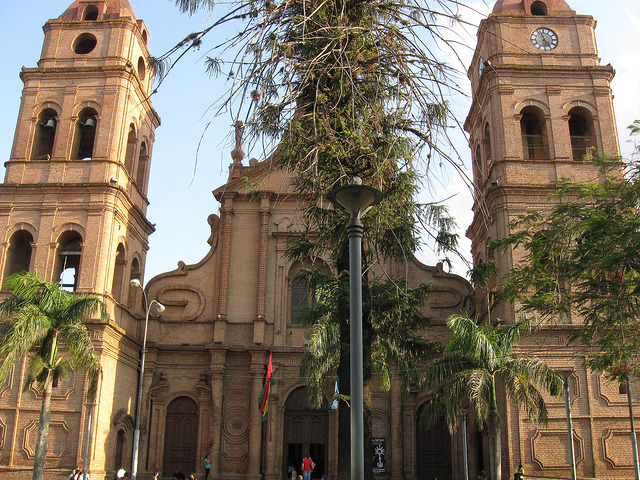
465 376
46 323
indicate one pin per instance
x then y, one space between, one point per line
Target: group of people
77 474
519 475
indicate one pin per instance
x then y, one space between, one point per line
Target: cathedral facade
73 207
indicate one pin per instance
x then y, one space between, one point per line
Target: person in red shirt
307 468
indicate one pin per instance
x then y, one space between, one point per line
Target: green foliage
398 340
474 358
580 262
45 322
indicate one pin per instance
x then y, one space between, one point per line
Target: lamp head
160 307
356 199
134 282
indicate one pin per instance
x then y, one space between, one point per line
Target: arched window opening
143 161
299 297
91 13
133 275
477 167
67 268
534 139
539 8
581 133
45 134
145 37
486 144
142 68
18 258
86 133
119 454
118 274
131 149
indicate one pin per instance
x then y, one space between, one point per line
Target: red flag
263 401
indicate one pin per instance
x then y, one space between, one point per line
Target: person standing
207 467
307 468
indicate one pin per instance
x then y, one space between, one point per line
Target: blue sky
180 190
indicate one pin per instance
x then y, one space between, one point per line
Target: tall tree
476 358
344 88
45 323
580 260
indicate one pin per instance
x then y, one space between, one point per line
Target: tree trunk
43 430
495 445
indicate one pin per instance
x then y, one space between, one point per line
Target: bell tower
73 208
542 103
541 107
74 196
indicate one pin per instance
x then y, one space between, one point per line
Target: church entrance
433 451
180 437
306 433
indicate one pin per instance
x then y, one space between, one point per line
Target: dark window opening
486 143
299 297
118 274
142 68
622 388
91 13
534 141
131 149
539 8
18 257
143 160
45 135
134 275
119 456
86 134
477 164
85 43
581 133
67 267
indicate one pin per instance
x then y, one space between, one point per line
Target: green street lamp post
136 432
356 199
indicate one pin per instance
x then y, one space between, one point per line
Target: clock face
544 39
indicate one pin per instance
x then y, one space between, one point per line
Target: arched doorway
433 451
306 433
180 437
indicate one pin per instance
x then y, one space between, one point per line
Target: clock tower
542 106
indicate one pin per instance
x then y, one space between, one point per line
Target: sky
180 184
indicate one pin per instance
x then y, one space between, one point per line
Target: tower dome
97 10
532 7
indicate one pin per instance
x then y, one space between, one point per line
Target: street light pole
136 432
356 199
565 374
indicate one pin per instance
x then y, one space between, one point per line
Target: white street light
136 432
356 199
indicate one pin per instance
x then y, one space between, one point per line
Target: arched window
539 8
119 454
143 160
45 134
91 13
486 144
131 149
67 267
118 273
133 275
18 258
85 134
534 138
477 167
581 132
299 297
